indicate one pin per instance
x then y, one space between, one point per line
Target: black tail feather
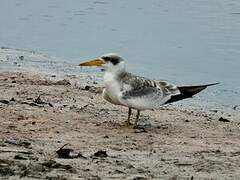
188 92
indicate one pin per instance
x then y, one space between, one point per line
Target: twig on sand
67 153
15 151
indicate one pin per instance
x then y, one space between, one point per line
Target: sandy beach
55 123
39 115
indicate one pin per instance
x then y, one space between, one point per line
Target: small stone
100 153
50 104
19 157
64 153
223 119
21 57
154 151
97 124
87 88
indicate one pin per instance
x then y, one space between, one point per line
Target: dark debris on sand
168 144
223 119
68 153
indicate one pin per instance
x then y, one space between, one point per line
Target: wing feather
145 93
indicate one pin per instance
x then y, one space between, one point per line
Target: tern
136 92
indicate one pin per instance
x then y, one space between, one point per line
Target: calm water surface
187 42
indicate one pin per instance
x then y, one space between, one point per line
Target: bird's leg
129 116
137 118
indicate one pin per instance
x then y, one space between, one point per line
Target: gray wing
143 93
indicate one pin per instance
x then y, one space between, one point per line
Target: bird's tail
188 92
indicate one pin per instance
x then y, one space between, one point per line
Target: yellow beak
93 62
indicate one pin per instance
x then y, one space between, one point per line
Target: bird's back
142 93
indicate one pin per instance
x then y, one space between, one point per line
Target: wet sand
39 115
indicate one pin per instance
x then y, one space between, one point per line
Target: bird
135 92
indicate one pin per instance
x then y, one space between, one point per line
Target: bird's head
110 62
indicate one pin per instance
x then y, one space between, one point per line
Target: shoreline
39 115
28 61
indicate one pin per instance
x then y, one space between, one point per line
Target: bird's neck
112 75
115 70
112 81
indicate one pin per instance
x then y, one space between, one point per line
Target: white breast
112 88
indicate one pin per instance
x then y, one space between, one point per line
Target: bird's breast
112 89
112 85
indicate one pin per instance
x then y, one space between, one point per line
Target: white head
110 62
113 63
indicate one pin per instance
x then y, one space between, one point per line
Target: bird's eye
113 60
106 58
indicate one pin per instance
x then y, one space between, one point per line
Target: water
187 42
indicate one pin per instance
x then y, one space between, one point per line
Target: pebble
223 119
100 153
19 157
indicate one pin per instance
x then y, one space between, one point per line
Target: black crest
113 59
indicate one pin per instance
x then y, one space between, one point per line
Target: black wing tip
195 86
188 92
212 84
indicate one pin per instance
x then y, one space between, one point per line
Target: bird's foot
135 126
128 124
